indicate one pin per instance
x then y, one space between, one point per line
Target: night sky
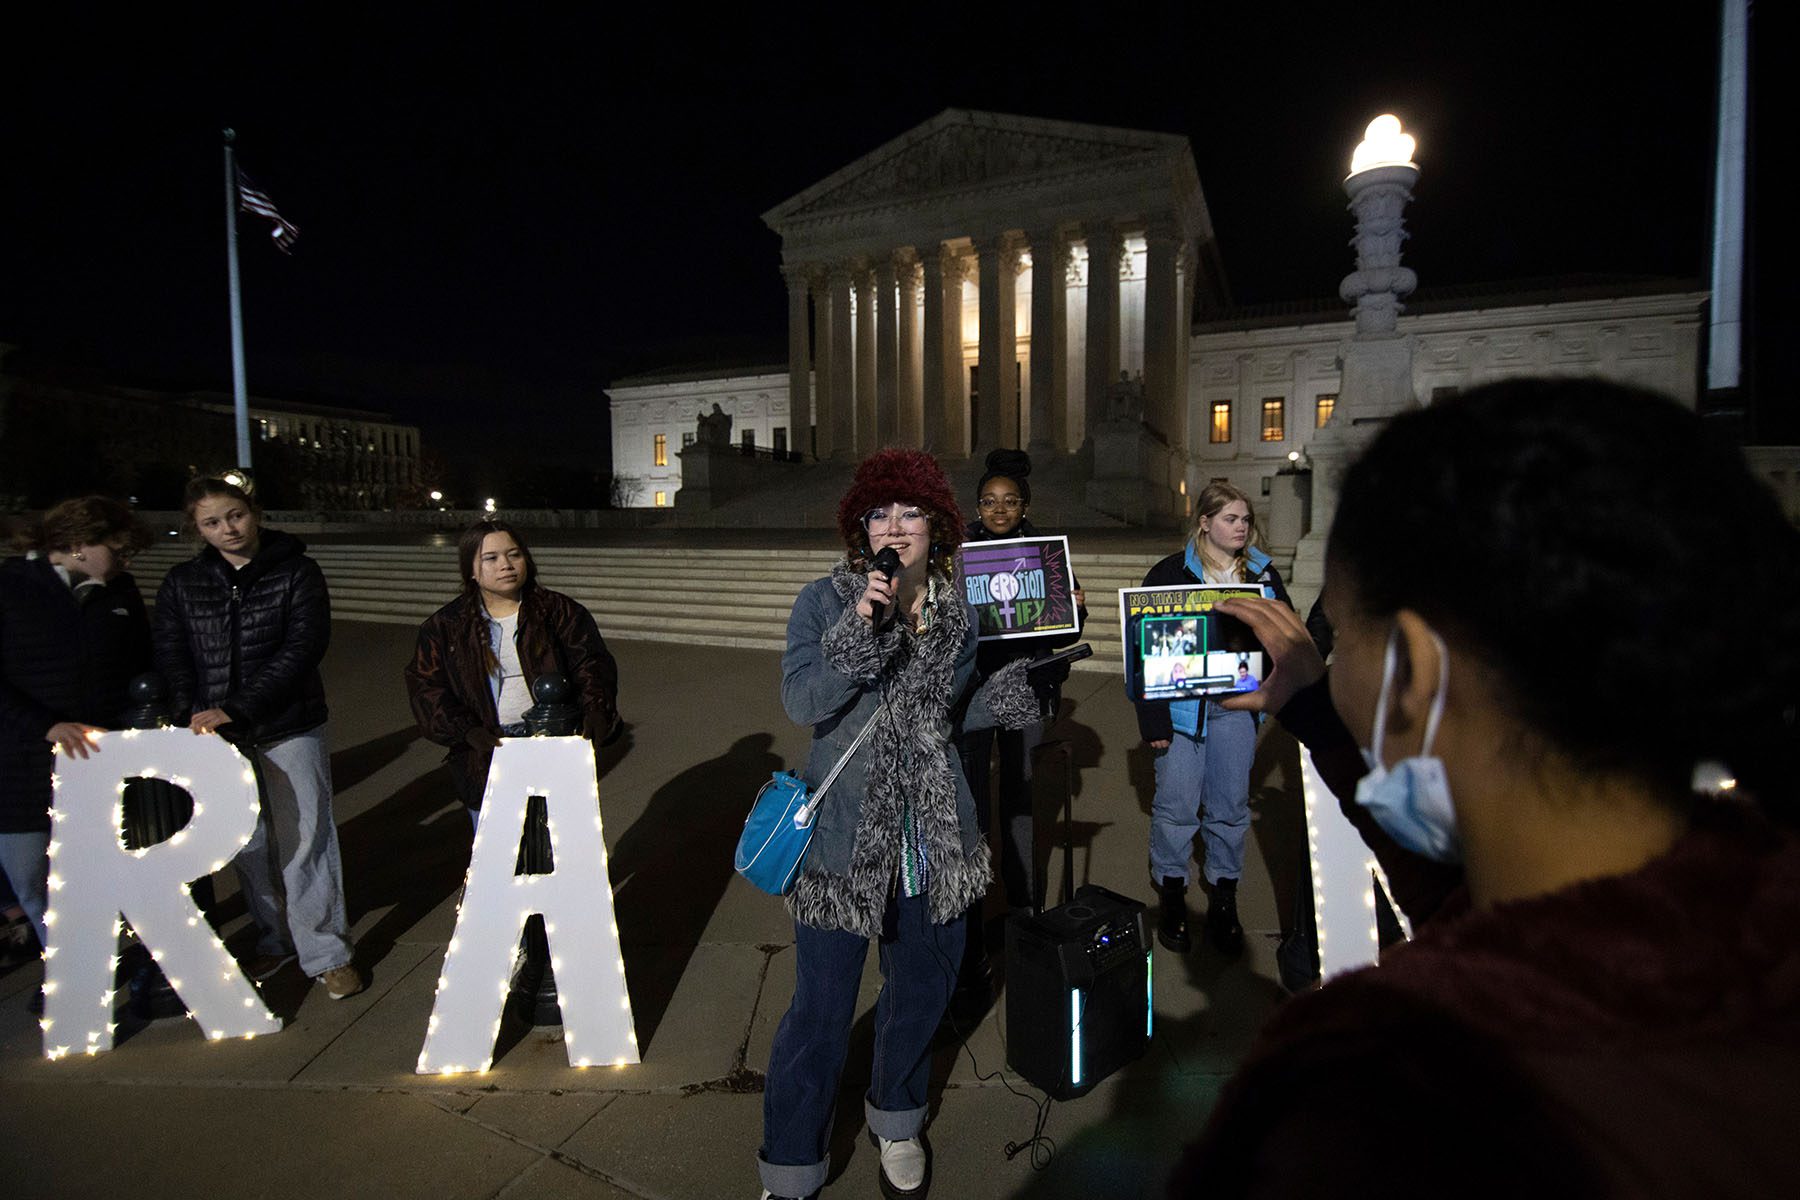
500 215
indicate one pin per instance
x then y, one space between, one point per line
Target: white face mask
1411 802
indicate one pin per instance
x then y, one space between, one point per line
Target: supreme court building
988 280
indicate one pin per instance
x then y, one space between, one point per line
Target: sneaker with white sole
344 981
905 1167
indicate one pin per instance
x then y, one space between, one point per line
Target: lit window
659 456
662 498
1272 423
1221 422
1323 407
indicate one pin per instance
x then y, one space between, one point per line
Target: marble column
1102 372
906 267
1162 313
1184 347
819 283
843 367
931 377
887 366
799 365
1049 339
956 388
866 434
996 371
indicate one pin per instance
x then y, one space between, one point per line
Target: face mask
1411 802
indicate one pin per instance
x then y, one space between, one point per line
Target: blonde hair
1211 501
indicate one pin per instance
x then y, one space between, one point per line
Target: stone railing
317 521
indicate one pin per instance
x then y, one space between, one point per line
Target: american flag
253 199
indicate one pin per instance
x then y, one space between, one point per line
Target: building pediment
961 153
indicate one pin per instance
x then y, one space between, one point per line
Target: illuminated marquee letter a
575 899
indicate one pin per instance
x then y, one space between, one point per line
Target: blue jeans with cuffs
919 962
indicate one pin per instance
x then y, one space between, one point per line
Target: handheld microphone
888 563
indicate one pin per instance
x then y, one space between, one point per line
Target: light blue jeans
1211 775
292 877
25 857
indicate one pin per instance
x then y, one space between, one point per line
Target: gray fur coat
834 675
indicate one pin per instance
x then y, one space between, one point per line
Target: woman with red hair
897 854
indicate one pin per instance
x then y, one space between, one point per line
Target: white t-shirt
514 697
1211 575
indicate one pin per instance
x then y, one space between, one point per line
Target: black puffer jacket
248 640
62 658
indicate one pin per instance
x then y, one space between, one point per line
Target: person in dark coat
240 631
73 634
1602 993
1204 751
1002 501
470 678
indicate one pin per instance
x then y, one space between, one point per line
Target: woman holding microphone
885 646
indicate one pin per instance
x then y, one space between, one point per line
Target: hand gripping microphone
888 564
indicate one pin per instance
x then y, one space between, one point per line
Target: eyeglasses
910 519
1009 503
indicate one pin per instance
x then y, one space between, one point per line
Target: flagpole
241 399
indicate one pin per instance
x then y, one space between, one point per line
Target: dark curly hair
88 521
893 476
1010 464
1599 549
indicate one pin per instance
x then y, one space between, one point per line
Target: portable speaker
1078 994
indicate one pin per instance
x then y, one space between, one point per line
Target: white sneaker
905 1167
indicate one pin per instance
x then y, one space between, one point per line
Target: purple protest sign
1019 587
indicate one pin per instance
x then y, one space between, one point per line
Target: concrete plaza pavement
331 1106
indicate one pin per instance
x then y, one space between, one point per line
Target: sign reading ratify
1020 587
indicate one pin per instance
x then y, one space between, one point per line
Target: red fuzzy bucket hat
893 476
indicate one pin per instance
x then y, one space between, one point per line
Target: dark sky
500 214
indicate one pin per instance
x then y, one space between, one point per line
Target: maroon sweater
1632 1036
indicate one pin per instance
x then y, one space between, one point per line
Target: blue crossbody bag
780 825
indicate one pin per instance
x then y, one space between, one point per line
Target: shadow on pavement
1280 809
670 868
405 854
351 766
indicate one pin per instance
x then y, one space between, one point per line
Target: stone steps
697 595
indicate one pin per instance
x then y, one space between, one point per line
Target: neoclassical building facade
988 280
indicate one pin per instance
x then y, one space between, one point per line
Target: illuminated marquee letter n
575 899
95 879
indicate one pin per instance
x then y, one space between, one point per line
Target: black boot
1172 930
1222 928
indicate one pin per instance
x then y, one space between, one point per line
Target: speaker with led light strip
1078 991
